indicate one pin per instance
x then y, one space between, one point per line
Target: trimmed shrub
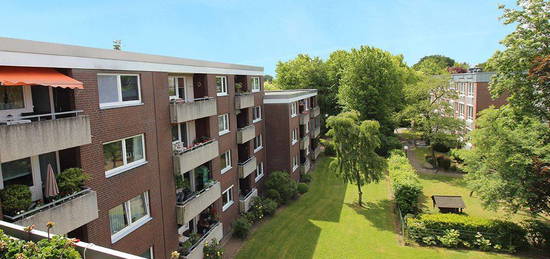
283 184
71 180
241 227
270 206
429 159
256 212
538 234
15 198
440 147
474 232
306 178
443 162
274 195
330 150
405 184
302 188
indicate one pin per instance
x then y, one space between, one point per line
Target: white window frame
230 201
261 146
461 109
126 166
228 163
471 89
294 163
469 115
294 136
121 103
293 109
259 118
259 171
176 85
256 85
225 118
223 86
134 225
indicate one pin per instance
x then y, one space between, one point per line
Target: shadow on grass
291 233
375 213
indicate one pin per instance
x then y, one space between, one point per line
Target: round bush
270 206
71 180
15 198
241 227
306 178
440 147
443 162
274 195
302 188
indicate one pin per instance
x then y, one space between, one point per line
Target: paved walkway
418 165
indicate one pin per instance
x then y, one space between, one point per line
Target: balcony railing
316 111
246 134
304 118
304 142
181 111
247 167
304 167
38 134
316 132
244 100
246 201
316 152
191 157
197 202
196 251
68 213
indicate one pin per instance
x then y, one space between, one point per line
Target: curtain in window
134 149
137 207
108 89
11 97
117 217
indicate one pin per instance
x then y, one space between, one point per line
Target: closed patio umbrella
51 184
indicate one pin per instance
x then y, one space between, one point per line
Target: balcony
25 138
304 118
246 202
68 213
244 100
247 167
316 152
246 134
316 111
197 155
196 251
304 142
198 202
316 132
187 111
304 167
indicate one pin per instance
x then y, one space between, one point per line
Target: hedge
456 230
405 184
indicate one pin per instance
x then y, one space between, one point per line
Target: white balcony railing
189 158
246 201
196 251
304 118
247 167
194 205
246 134
244 100
304 167
181 111
304 142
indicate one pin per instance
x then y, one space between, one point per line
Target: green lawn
325 223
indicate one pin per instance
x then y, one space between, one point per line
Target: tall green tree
529 42
372 83
355 143
302 72
430 114
509 166
434 64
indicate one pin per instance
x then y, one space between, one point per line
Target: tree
509 165
433 62
268 78
372 83
523 47
271 86
355 143
430 114
303 72
335 65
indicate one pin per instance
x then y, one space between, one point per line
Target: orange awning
11 76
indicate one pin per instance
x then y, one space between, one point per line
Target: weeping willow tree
355 142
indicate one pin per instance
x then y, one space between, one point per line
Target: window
225 161
470 112
17 172
257 115
293 109
258 143
294 163
461 110
221 85
471 89
118 90
122 155
294 135
129 216
227 198
307 127
176 87
148 253
255 84
223 124
259 172
11 97
179 133
306 106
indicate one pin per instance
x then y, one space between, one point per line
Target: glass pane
117 218
17 172
183 133
137 208
219 84
147 254
134 149
181 88
108 90
223 160
11 97
225 199
221 126
171 86
175 130
112 155
129 86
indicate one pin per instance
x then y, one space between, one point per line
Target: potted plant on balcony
16 199
239 88
70 181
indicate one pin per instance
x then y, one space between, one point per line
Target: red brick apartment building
293 126
473 96
173 146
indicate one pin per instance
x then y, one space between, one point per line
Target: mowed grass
326 223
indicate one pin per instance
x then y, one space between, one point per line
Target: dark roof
443 201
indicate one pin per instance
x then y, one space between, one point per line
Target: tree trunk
358 180
436 164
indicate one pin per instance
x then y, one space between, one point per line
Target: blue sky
264 32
